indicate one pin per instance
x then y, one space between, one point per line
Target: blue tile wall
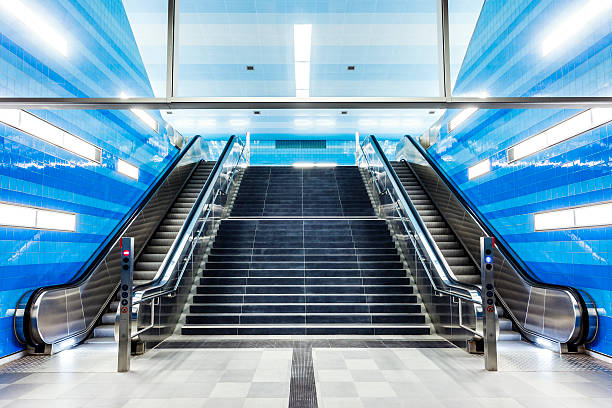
505 58
340 149
102 61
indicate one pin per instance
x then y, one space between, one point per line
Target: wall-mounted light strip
588 216
142 115
36 24
576 21
479 169
22 216
460 118
561 132
127 169
146 119
302 37
43 130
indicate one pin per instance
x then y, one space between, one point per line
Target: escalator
152 257
439 233
462 265
171 226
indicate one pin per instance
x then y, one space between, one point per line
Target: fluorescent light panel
302 38
460 118
561 132
576 21
479 169
127 169
22 216
142 115
146 118
45 131
588 216
307 165
36 24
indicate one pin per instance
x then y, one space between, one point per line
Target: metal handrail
167 271
586 312
180 241
25 306
434 255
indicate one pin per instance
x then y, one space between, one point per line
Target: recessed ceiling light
351 67
250 68
302 34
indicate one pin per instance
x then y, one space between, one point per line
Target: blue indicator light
488 259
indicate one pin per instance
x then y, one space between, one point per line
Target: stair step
307 329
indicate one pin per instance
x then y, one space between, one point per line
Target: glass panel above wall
396 122
533 48
77 48
307 48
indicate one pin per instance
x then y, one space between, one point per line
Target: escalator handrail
517 264
162 276
91 265
440 262
108 244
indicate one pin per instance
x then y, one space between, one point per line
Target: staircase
453 251
150 259
303 253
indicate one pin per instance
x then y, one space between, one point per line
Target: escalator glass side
528 302
67 313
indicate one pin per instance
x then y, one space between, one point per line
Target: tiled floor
353 376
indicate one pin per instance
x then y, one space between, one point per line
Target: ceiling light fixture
35 23
302 37
574 23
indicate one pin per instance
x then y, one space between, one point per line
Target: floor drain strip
302 388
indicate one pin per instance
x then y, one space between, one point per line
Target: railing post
125 304
488 301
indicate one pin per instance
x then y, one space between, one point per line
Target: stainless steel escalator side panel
455 308
548 311
158 305
65 314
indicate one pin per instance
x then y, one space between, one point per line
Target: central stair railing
454 307
157 305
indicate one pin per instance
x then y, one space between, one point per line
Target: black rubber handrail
500 242
391 172
109 243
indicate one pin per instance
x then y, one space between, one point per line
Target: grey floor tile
341 403
238 375
224 403
14 391
269 390
266 403
368 375
337 389
9 378
230 390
